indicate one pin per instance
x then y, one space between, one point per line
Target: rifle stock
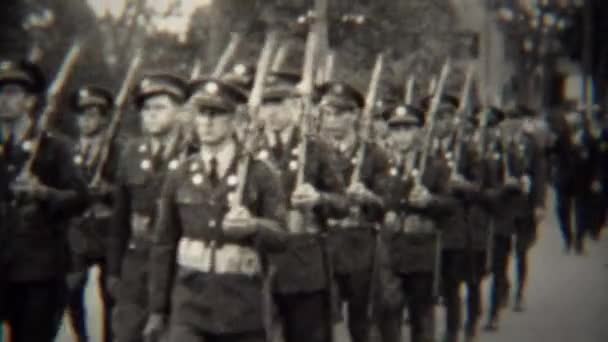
119 105
255 100
366 117
52 102
235 40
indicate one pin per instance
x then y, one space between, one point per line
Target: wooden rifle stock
464 110
255 100
366 118
52 102
227 55
119 108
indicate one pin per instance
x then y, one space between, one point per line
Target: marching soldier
532 153
303 277
220 214
354 240
93 106
39 196
141 172
411 224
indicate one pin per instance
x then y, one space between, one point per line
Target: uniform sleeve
58 172
538 175
271 206
166 235
119 231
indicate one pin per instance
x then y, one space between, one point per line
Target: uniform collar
224 156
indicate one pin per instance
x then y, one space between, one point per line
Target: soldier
532 154
88 233
303 278
36 205
211 241
141 171
354 240
456 259
411 224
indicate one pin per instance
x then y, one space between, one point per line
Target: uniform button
212 223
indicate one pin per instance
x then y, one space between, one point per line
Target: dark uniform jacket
302 266
35 231
139 179
412 240
353 246
89 232
190 274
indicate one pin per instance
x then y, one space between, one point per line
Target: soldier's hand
526 184
460 184
360 194
239 223
101 190
391 221
305 196
112 285
30 189
420 196
154 327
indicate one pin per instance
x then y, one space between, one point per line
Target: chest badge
293 165
145 164
197 179
173 164
78 159
393 171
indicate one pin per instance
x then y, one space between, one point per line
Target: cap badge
84 93
212 88
400 111
197 179
393 171
339 89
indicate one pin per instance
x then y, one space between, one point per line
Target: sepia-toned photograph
303 170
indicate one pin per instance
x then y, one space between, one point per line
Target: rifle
365 134
280 57
235 40
52 103
464 110
253 105
426 147
119 109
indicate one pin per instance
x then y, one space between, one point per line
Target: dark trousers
354 290
77 310
130 312
305 316
499 291
453 273
35 309
185 333
525 238
582 204
418 289
475 274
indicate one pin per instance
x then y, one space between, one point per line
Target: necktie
213 172
278 145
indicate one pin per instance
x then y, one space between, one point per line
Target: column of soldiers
269 228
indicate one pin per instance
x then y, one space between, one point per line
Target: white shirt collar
224 156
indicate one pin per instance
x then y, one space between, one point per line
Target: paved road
567 297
